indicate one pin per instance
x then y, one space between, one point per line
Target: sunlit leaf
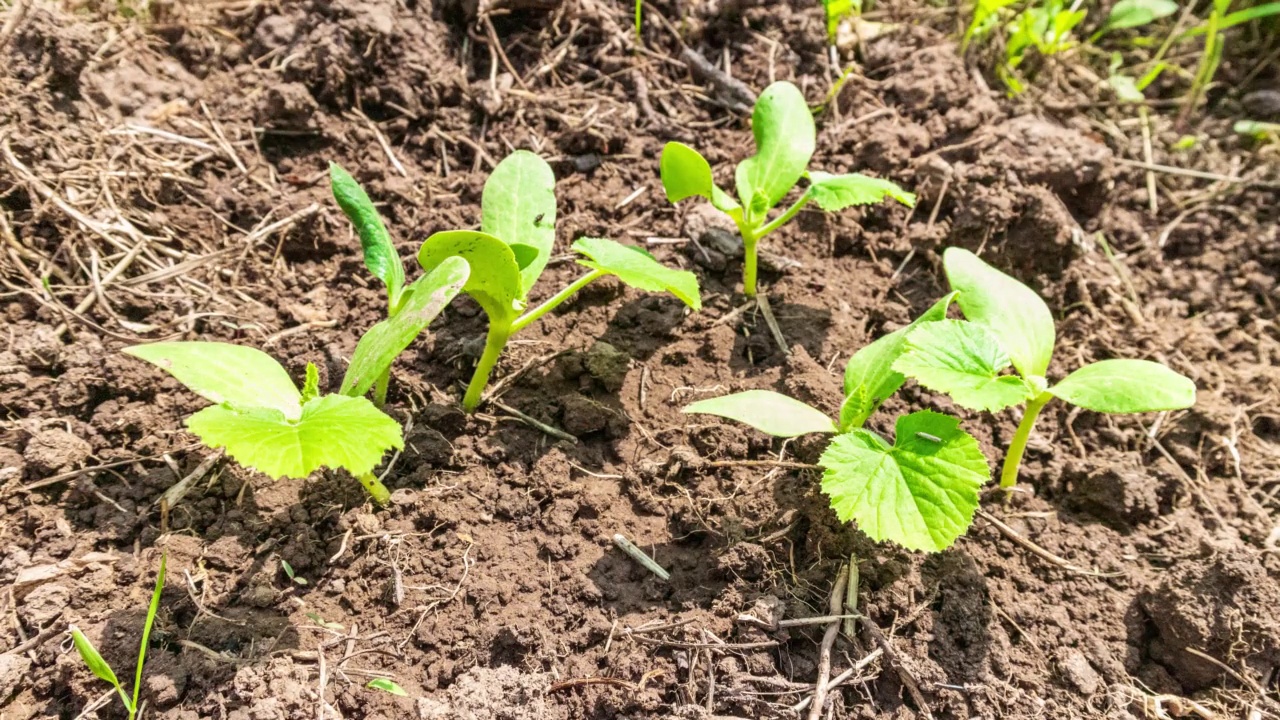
1126 386
97 665
386 685
494 281
685 173
921 492
379 253
963 360
225 373
637 268
518 206
837 192
1013 312
767 411
785 138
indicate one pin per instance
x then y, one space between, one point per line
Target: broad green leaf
226 373
379 253
518 206
963 360
921 492
767 411
1013 312
1126 386
97 665
386 685
423 301
837 192
685 173
637 268
524 254
152 609
1132 13
494 281
335 431
785 137
869 378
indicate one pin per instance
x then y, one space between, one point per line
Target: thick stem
379 492
554 301
493 345
1013 458
751 238
749 265
380 388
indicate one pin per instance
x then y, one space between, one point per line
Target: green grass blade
97 665
146 632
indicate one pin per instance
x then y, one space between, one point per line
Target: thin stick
502 54
908 680
843 677
1039 551
851 598
641 557
1184 172
763 463
538 424
828 640
174 494
763 302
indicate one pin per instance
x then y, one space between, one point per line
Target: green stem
784 218
493 345
380 388
555 300
751 237
377 490
1013 458
749 264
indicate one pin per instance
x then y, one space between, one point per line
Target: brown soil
490 587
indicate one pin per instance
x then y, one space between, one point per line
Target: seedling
289 573
409 309
1009 324
1046 28
512 247
386 685
100 668
785 138
266 424
921 491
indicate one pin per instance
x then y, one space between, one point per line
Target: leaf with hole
921 492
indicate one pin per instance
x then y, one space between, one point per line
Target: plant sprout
921 491
512 247
409 309
785 138
1009 324
103 671
266 424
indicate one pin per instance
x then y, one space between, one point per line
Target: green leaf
921 492
518 206
494 281
383 343
386 685
1132 13
785 137
1126 386
379 253
869 378
1125 88
963 360
837 192
152 608
637 268
524 254
767 411
685 173
224 373
97 665
335 431
1013 312
311 386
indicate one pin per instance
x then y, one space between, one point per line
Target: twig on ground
843 677
739 97
537 424
1039 551
640 556
834 604
908 680
765 310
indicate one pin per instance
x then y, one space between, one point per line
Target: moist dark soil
164 176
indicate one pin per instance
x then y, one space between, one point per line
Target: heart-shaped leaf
1126 386
637 268
963 360
767 411
921 492
518 206
225 373
785 138
334 431
494 281
423 301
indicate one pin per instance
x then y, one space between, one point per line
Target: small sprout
265 423
785 137
920 492
508 254
1009 325
99 667
409 309
288 571
1135 13
386 685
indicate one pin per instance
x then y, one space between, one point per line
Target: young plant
921 491
785 138
409 309
513 245
1045 28
267 425
1009 324
100 668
